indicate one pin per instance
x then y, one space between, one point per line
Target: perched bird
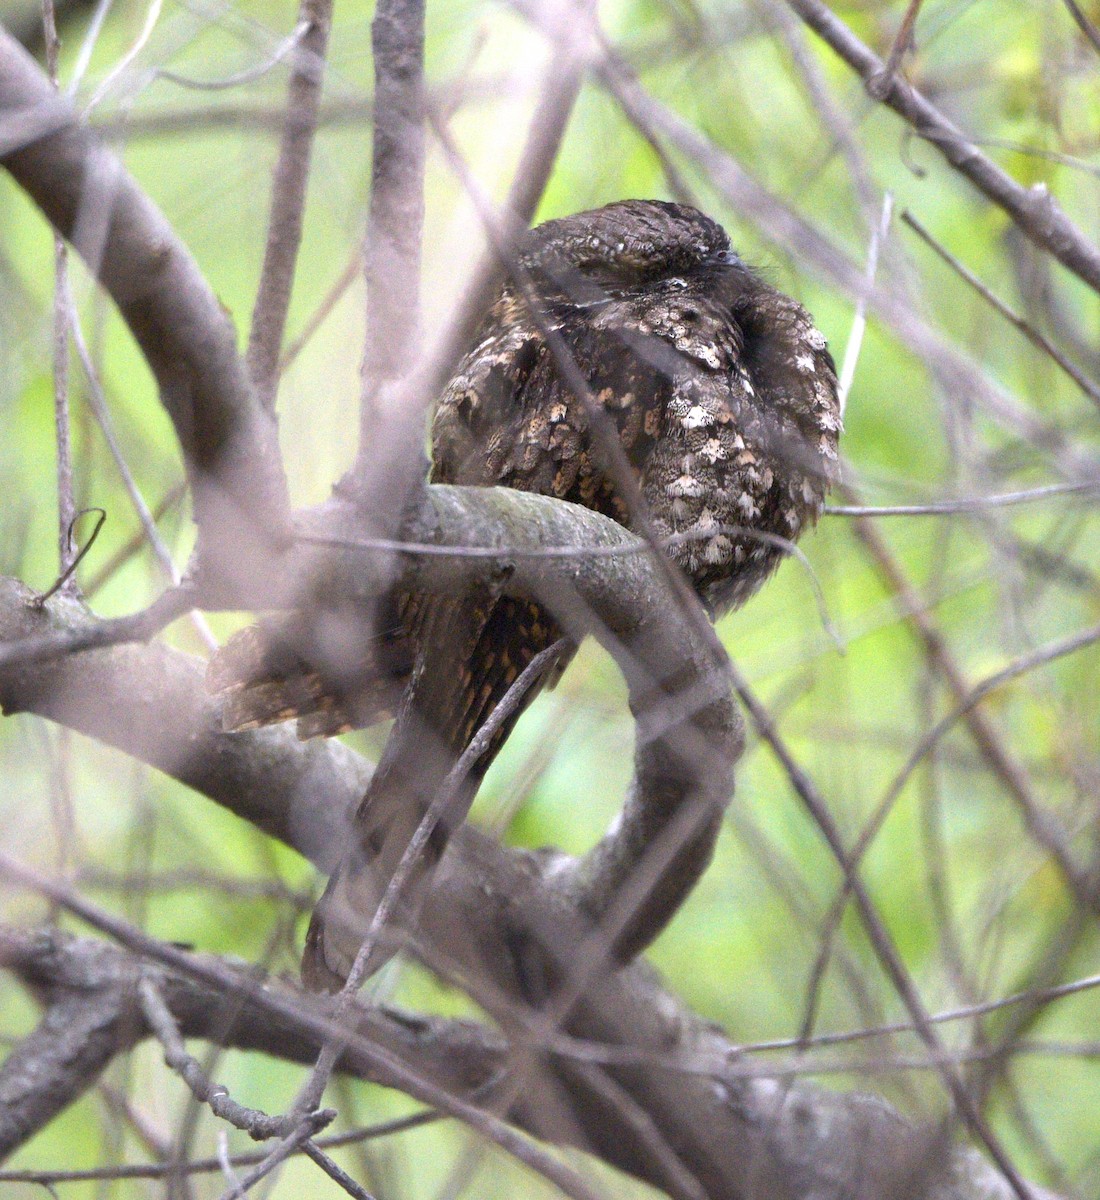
724 399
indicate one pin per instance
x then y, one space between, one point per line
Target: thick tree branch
396 214
595 577
760 1140
291 790
509 921
77 1038
228 442
689 733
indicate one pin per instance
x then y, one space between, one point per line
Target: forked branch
229 445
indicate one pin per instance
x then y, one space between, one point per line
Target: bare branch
1033 209
137 627
294 792
884 946
206 1166
1042 826
1091 389
288 197
689 731
283 1005
75 1041
397 200
391 457
258 1125
965 504
902 43
1084 24
750 1138
228 443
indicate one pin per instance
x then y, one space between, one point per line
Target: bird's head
628 241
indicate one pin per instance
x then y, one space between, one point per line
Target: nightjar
724 398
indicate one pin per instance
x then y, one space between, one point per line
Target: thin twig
67 574
966 1012
1034 209
236 1191
152 16
1071 644
97 402
208 971
1002 762
66 503
859 319
208 1166
837 120
332 297
248 75
87 46
310 1095
781 224
1084 24
297 1137
332 1169
1021 666
137 627
1091 389
878 87
884 946
258 1125
288 198
127 551
943 508
229 443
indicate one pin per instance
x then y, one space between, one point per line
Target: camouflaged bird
724 397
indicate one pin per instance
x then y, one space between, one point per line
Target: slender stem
1033 209
884 945
561 86
288 199
66 503
1091 389
396 215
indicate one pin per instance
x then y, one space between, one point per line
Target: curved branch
503 923
229 444
689 733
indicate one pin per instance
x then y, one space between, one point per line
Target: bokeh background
978 909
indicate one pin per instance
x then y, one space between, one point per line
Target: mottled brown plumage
723 395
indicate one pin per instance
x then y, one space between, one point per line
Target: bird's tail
331 669
471 653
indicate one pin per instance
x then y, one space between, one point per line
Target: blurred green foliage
975 906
